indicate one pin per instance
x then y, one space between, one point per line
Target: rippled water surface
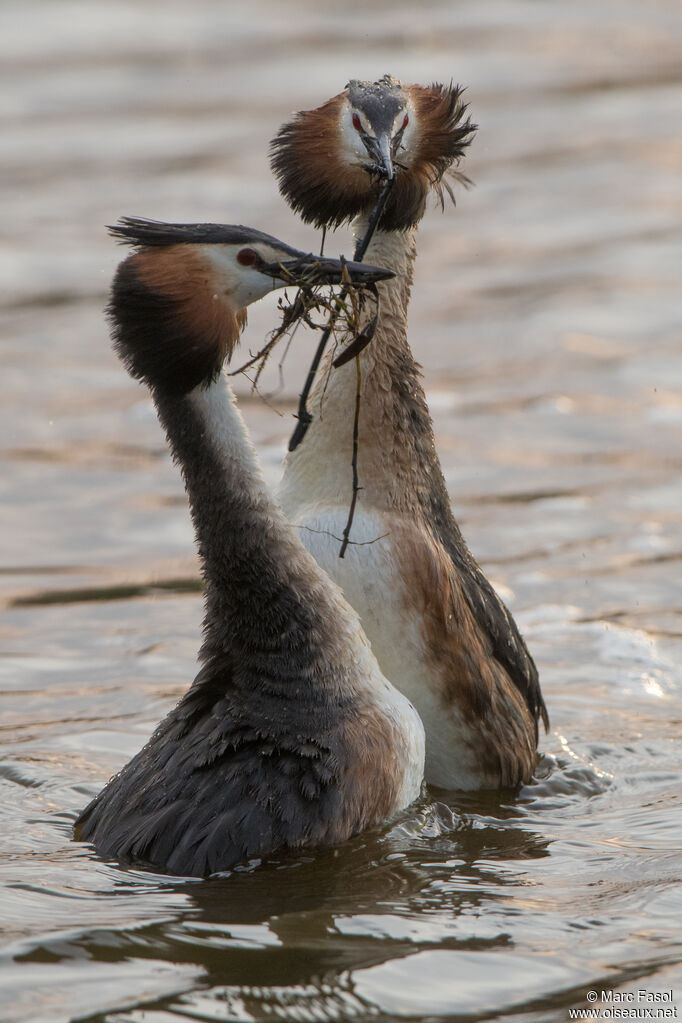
546 313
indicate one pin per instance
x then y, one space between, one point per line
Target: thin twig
351 543
280 364
356 480
303 415
265 398
307 298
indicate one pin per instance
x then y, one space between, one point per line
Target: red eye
406 121
247 257
357 123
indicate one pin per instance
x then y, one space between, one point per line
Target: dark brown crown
167 326
326 191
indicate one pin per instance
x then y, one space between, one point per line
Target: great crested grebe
437 627
290 736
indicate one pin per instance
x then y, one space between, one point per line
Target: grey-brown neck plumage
266 601
397 460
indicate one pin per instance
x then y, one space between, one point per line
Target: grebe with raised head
437 627
289 736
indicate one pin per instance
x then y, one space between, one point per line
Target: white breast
370 577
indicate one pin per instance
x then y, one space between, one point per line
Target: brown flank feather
373 774
475 686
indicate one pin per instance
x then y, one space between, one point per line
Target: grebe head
330 162
195 280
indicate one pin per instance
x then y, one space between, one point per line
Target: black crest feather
139 231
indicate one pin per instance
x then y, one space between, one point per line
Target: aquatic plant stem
303 415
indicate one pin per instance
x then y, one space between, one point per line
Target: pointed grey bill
382 147
308 269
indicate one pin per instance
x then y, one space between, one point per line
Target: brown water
547 315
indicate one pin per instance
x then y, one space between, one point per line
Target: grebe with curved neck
437 627
289 736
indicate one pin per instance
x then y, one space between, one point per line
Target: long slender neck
266 599
397 460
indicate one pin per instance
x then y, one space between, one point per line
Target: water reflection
304 931
441 893
546 313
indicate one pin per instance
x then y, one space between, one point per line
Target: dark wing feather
492 615
210 790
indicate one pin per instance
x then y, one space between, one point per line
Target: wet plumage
289 736
436 625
